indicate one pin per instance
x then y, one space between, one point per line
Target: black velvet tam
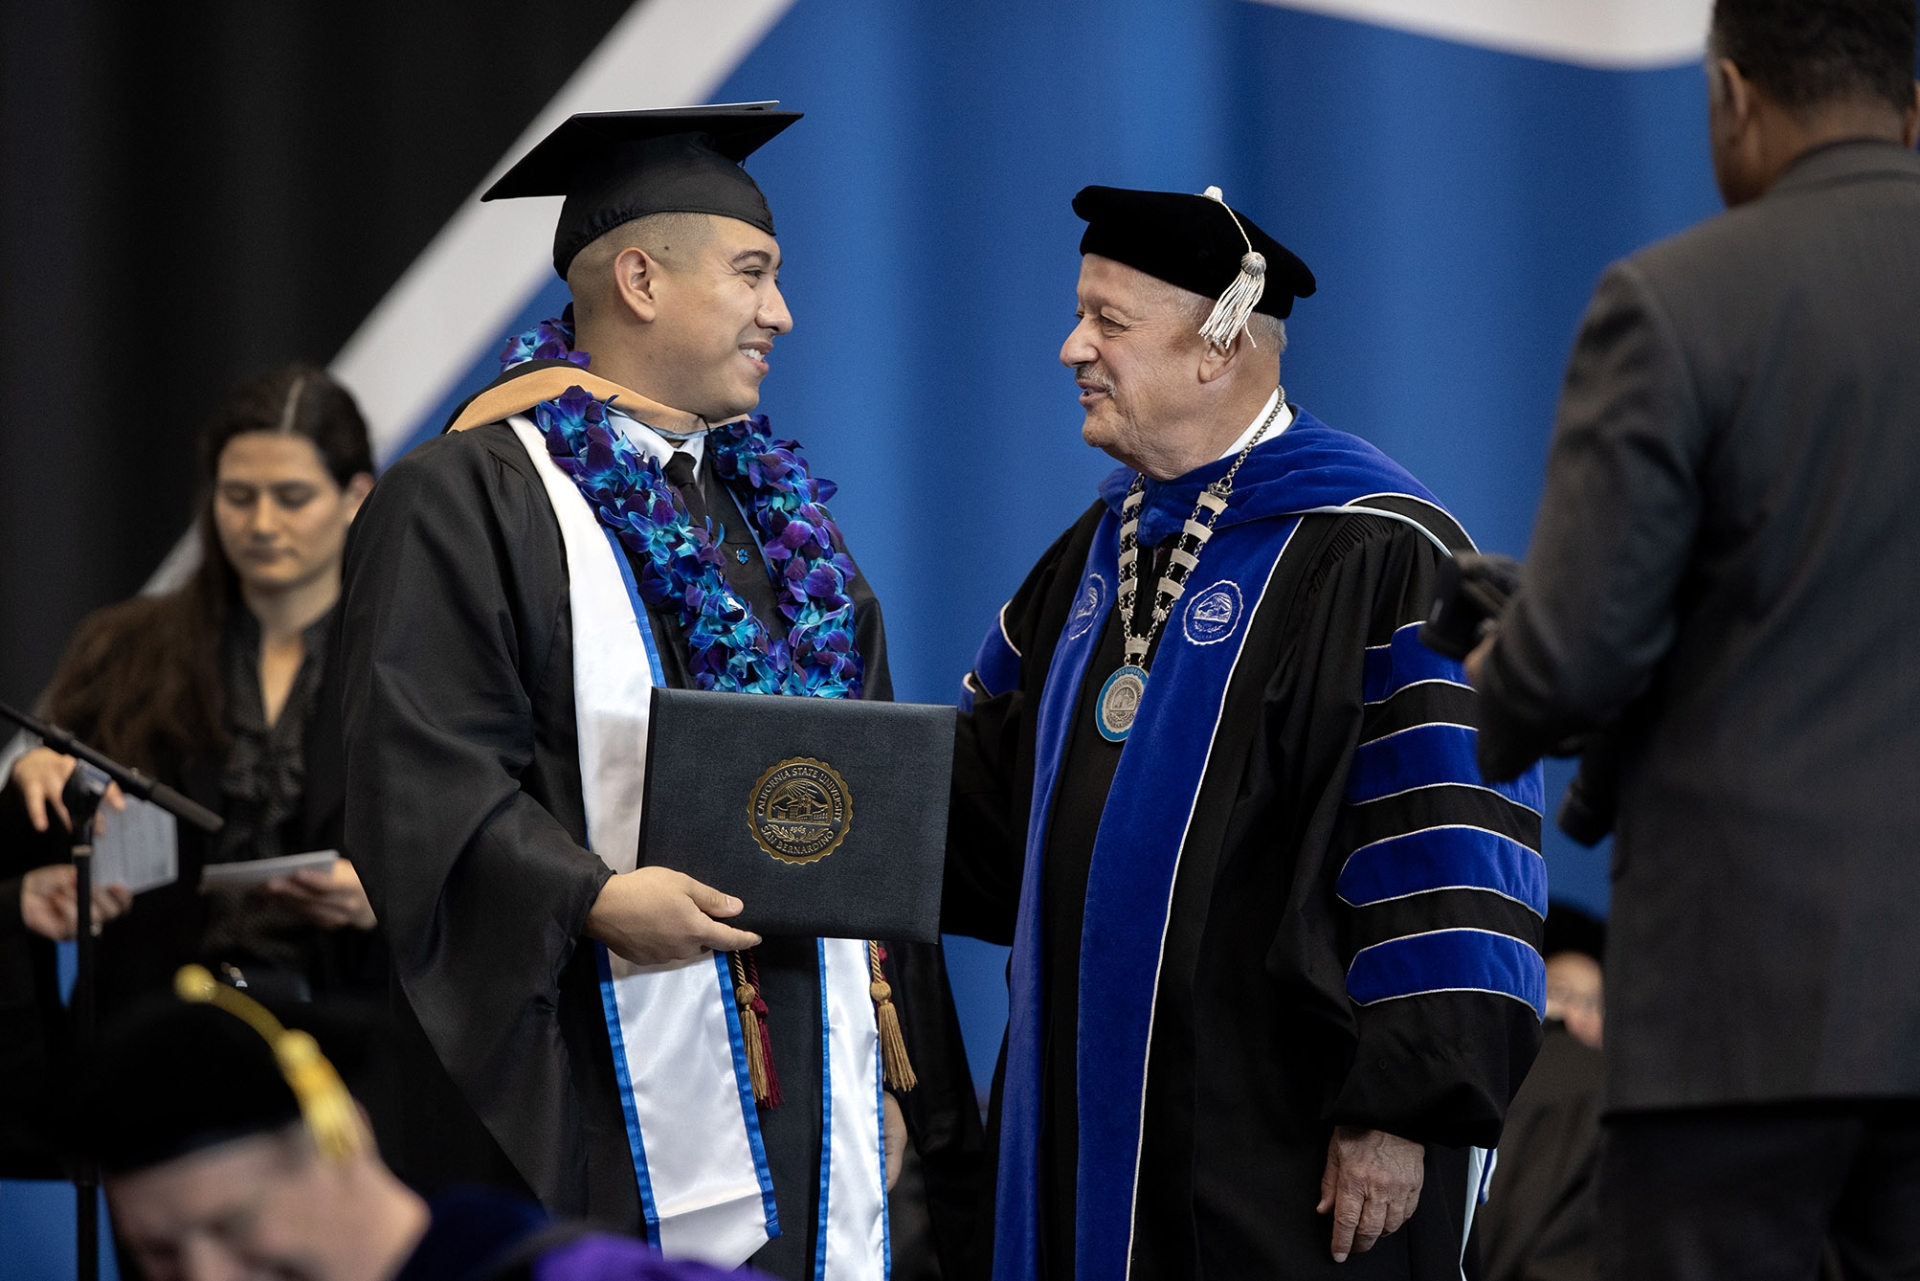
1189 241
172 1078
615 166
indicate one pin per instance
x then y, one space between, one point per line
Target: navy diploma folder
825 817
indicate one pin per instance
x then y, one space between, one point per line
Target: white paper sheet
252 872
139 848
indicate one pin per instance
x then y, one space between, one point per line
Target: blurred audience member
232 1149
1538 1222
1722 582
1575 949
221 688
50 908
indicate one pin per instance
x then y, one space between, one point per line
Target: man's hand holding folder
653 915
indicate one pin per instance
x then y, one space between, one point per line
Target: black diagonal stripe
1444 910
1428 703
1439 806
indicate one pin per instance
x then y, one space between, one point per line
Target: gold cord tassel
893 1046
753 1031
326 1107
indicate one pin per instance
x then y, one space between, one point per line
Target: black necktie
684 476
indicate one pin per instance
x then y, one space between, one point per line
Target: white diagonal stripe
458 297
1615 34
460 294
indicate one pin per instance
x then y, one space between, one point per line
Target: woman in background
222 689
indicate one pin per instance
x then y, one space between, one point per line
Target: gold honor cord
328 1110
893 1047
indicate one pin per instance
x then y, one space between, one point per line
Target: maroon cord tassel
753 1029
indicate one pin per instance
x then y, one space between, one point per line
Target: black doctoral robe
464 774
1257 1049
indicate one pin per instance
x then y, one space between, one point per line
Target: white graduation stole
678 1052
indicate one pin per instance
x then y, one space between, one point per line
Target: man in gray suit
1725 578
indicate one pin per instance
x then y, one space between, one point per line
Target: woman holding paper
222 688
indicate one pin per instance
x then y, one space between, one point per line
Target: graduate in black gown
1275 972
495 737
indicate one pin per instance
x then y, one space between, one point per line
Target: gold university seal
800 810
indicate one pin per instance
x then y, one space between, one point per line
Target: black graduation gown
462 759
1257 1051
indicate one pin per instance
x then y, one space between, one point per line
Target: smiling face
1136 355
280 516
720 309
266 1208
683 309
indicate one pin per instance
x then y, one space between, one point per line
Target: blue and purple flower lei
680 567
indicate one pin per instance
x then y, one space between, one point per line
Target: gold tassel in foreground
753 1031
326 1107
893 1046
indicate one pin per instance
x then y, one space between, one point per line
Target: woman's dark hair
1808 52
141 680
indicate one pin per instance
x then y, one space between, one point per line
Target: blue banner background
1456 204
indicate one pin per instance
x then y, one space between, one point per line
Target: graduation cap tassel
753 1030
327 1109
1235 308
893 1046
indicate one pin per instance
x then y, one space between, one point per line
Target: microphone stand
84 791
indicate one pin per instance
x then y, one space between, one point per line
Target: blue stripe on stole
1136 857
1016 1228
609 1004
826 1115
1129 892
886 1211
1438 858
1449 961
1425 755
743 1082
648 1212
639 606
1404 661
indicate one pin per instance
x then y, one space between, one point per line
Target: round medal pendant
1120 702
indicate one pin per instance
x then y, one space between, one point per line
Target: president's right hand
654 915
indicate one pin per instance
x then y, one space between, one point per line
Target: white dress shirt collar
1281 421
656 444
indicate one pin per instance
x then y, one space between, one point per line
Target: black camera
1472 592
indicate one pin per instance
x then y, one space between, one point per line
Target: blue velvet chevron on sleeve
996 668
1443 870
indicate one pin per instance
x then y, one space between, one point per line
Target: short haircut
1264 329
1806 53
666 237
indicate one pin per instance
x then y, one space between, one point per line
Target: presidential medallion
800 810
1120 702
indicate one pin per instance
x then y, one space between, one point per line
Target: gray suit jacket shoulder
1726 563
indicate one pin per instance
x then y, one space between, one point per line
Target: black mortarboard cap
615 166
173 1077
1569 929
1194 242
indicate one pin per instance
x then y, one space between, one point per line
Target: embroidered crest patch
1089 607
799 810
1214 614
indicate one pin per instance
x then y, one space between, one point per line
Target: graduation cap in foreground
1199 244
181 1075
615 166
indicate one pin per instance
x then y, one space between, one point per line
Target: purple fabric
599 1257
